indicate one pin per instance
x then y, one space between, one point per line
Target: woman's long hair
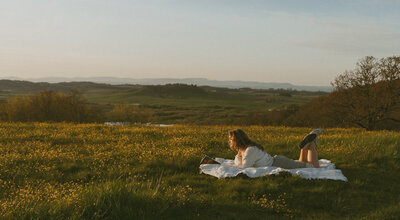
242 141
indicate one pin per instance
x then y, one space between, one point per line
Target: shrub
48 106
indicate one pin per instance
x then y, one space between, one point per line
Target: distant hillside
17 86
171 103
195 81
172 90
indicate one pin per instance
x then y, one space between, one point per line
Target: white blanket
228 169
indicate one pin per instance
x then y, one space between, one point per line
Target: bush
48 106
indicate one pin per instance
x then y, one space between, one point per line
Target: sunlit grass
97 171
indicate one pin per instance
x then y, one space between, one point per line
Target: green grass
174 104
218 107
137 172
229 98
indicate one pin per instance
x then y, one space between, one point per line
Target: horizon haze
232 84
302 43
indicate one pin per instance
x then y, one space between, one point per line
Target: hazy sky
301 42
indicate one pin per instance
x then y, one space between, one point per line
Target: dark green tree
369 95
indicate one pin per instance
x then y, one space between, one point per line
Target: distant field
175 104
138 172
213 106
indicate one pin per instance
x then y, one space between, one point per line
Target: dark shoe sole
309 138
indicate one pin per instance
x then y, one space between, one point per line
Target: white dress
254 157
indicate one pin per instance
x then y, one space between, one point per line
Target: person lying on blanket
251 154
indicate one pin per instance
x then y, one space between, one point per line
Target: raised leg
303 154
312 156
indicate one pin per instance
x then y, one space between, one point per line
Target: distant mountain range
163 81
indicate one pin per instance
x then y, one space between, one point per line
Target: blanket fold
227 168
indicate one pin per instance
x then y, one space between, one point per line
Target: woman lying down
251 154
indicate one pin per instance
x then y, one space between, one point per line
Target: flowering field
96 171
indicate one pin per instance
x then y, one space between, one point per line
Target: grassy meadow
93 171
170 104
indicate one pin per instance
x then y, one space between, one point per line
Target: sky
307 42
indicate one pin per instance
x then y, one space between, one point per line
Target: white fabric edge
227 169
